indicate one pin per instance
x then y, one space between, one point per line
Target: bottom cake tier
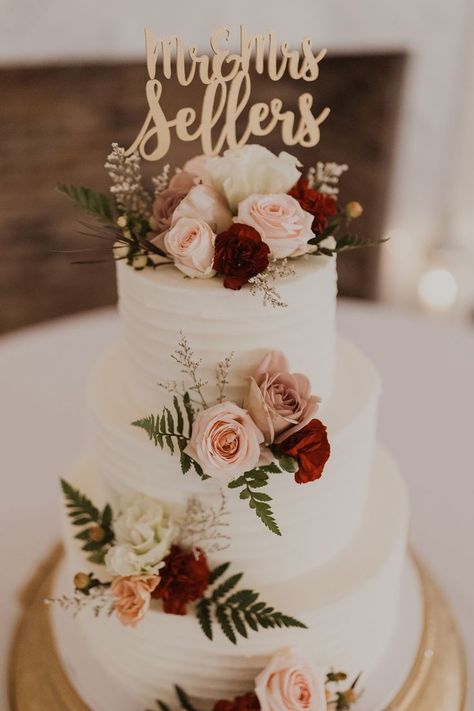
350 606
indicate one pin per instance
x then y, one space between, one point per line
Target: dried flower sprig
222 376
277 269
162 180
127 188
184 356
99 599
203 526
325 177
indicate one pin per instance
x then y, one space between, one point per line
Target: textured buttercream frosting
326 510
350 605
156 305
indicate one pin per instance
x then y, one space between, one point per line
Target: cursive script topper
227 94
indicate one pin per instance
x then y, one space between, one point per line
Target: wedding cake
234 536
234 519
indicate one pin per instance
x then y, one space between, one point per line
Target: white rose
190 242
144 532
252 169
281 221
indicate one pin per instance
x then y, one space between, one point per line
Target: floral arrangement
146 553
243 216
288 683
243 445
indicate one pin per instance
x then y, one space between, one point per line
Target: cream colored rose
252 169
225 441
132 595
204 203
190 242
279 402
290 683
144 532
281 222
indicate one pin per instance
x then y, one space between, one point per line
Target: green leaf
82 512
226 586
179 416
161 429
184 699
288 463
218 572
107 516
90 201
185 461
203 612
238 620
222 616
189 412
237 483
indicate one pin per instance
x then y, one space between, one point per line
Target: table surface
426 419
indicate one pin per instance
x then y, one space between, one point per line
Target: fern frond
90 201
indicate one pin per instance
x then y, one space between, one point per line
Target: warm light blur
438 289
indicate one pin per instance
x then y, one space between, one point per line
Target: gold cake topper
226 76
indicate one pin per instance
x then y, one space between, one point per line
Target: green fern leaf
179 416
226 586
222 617
203 612
218 572
184 699
90 201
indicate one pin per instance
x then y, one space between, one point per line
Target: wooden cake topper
227 96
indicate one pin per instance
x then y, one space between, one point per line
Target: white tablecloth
426 419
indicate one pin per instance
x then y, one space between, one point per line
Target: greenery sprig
97 534
173 431
236 612
259 501
90 201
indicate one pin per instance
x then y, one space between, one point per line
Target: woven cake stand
38 682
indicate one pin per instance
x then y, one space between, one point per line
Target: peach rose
190 242
204 203
281 221
279 402
225 441
290 683
132 595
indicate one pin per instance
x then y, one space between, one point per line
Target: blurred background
399 79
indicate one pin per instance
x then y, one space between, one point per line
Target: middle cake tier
328 510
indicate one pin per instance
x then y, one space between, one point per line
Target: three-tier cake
233 519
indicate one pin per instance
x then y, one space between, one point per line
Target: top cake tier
155 305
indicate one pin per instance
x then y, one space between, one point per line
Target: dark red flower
248 702
311 448
320 205
184 578
240 254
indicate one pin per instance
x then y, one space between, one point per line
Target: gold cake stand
37 681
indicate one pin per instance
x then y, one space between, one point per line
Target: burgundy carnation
320 205
240 254
248 702
183 579
311 448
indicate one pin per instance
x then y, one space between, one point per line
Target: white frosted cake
330 553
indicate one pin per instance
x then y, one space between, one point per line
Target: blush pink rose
279 402
190 242
290 683
204 203
281 222
132 595
225 441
